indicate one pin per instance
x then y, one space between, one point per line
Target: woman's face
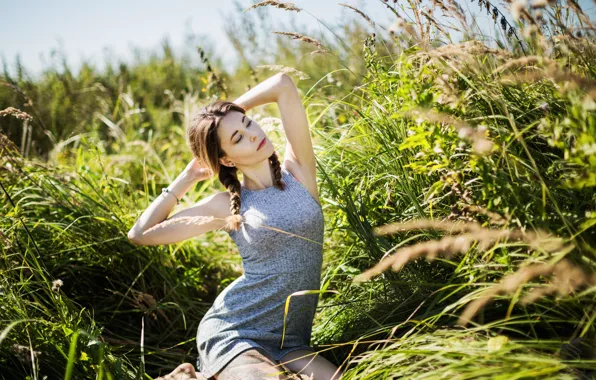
239 137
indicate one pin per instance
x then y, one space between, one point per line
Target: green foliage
458 133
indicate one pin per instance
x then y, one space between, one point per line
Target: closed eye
248 125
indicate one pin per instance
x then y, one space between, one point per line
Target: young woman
275 218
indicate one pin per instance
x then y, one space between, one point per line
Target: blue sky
97 29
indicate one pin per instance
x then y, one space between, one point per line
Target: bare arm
295 123
265 92
176 228
162 205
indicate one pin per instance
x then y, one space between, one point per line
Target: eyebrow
234 134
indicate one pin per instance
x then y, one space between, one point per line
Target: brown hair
203 141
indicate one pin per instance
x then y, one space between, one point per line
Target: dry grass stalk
312 41
274 3
573 4
463 53
431 20
570 80
459 13
147 303
390 229
518 9
539 4
571 45
450 246
472 47
401 24
285 70
25 353
359 12
16 113
524 61
7 148
493 216
440 5
481 144
565 279
319 51
421 35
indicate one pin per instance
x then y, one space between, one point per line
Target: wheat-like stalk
524 61
359 12
570 80
16 113
429 17
274 3
565 279
456 9
309 40
450 246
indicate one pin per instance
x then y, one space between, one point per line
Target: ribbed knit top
280 243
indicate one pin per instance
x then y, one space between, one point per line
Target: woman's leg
252 364
308 362
184 371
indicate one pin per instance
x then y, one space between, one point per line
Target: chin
266 150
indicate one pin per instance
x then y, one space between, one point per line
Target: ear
226 162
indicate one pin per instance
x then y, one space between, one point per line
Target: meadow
456 177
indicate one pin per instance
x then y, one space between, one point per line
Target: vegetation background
457 180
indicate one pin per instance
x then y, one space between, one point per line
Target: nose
253 138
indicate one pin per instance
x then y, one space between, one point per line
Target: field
457 182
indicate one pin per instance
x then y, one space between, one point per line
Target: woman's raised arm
265 92
162 205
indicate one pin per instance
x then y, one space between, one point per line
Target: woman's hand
196 171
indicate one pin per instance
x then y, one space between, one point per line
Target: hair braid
228 176
276 167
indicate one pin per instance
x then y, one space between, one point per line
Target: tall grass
457 181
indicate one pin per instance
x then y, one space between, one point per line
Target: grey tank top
280 243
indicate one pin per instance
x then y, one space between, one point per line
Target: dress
249 312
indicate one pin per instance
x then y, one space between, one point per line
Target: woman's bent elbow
134 239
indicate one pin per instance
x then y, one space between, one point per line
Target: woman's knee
309 363
251 364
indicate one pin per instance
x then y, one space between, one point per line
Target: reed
565 279
483 264
450 246
274 3
364 16
11 111
308 40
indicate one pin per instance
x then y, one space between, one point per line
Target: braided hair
203 141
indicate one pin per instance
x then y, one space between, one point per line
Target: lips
261 144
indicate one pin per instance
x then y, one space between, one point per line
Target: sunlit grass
442 169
